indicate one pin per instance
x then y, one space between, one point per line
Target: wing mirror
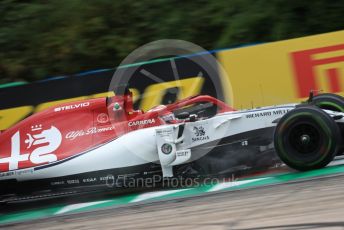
183 115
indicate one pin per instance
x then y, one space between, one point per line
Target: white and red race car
100 142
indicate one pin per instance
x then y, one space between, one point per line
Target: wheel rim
305 138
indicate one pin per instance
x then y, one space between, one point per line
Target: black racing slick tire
329 101
307 138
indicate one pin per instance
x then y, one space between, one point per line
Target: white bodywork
145 145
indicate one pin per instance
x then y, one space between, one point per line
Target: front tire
307 138
329 101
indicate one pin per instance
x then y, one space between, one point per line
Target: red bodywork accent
68 129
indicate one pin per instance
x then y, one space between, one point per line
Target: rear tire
307 138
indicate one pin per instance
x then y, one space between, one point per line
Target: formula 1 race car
104 143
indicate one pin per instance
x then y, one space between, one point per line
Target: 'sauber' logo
306 61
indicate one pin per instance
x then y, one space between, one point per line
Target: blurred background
40 39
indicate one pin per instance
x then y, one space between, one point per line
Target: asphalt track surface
311 204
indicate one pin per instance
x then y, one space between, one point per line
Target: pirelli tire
329 101
307 138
